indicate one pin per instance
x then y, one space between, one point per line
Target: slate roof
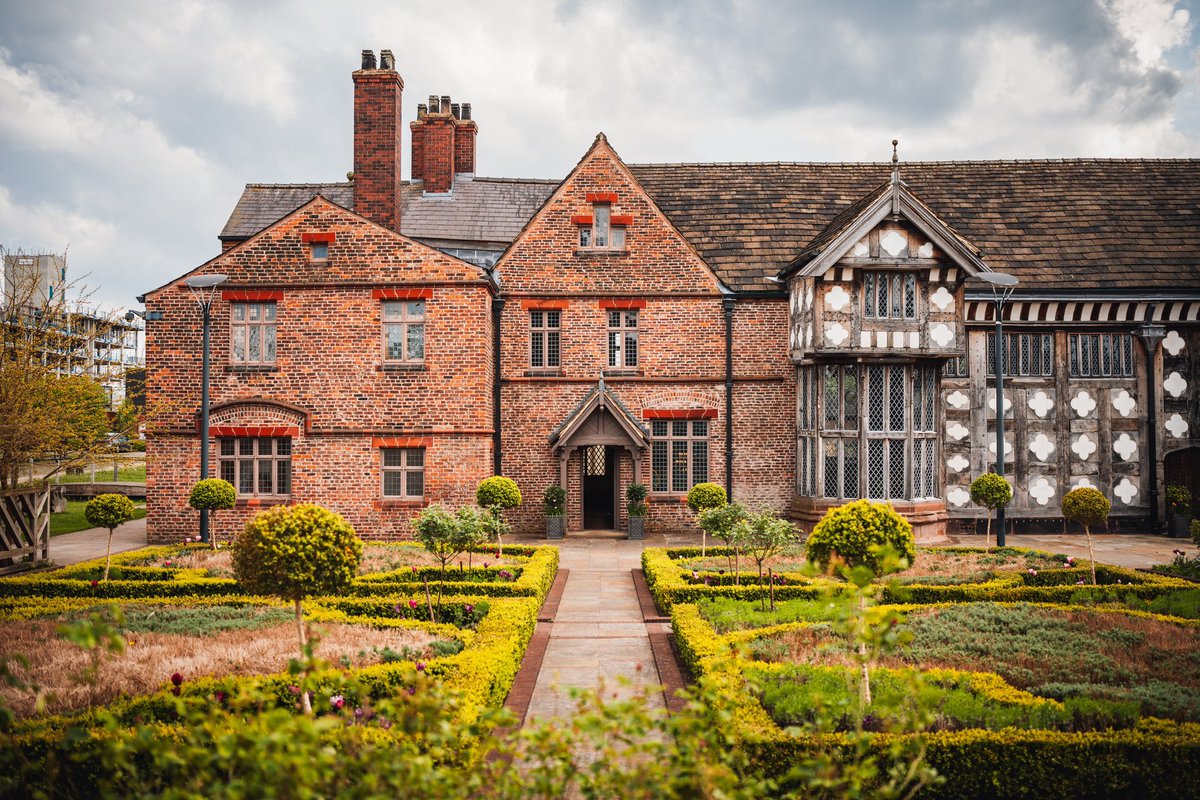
479 210
1055 224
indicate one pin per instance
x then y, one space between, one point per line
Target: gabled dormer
885 277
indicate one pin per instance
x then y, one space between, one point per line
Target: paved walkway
1136 551
71 548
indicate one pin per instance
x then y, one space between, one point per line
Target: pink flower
469 608
294 689
412 690
337 701
412 603
486 564
420 666
695 575
167 563
414 569
1032 571
176 679
220 697
95 584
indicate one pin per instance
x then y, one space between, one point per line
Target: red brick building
801 333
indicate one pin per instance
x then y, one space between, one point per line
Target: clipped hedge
1153 759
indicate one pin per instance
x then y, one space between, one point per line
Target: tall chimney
443 143
377 130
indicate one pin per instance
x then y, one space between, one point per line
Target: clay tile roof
1055 224
479 209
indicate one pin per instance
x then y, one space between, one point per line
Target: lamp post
204 289
1002 288
1151 333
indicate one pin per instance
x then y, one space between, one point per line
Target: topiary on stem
990 491
702 497
108 511
722 523
764 536
498 494
1088 507
635 496
294 552
213 494
554 501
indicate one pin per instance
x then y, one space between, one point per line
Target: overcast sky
128 127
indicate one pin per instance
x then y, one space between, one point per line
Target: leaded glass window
404 473
678 454
1101 355
259 467
890 295
404 331
1025 354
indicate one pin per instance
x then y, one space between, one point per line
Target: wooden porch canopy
600 418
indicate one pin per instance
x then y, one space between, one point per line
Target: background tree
294 552
498 494
214 494
447 534
990 491
722 523
702 497
764 536
1088 507
108 511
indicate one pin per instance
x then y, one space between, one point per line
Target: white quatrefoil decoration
958 496
957 399
860 248
1041 446
1124 403
1126 491
1083 483
808 335
925 250
893 243
1041 490
991 403
1083 404
1174 343
957 463
1177 425
1008 448
942 334
837 298
942 299
836 334
957 431
808 297
1083 447
1125 447
1041 403
1175 384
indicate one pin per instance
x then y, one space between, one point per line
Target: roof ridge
296 185
956 162
550 181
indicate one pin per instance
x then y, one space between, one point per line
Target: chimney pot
445 104
386 60
368 59
433 104
455 110
466 110
422 110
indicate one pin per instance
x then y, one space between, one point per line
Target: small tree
294 552
212 494
1088 507
722 523
765 536
447 534
702 497
498 494
635 496
867 538
108 511
990 491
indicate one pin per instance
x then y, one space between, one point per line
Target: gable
549 258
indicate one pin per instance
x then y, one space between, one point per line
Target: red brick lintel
250 296
327 237
401 441
424 293
544 305
679 413
621 219
613 302
602 197
582 219
262 431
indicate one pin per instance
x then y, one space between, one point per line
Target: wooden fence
24 529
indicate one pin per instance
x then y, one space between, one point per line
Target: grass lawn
72 519
104 474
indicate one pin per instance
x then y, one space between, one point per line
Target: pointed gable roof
597 398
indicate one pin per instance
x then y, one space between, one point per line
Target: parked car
118 442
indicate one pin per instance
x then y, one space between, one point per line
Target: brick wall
377 155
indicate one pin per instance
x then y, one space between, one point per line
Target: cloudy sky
127 128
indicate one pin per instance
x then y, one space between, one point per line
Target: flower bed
1034 750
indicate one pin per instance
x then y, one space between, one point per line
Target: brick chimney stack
443 143
377 129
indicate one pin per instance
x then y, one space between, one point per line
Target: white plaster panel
1126 490
1039 402
942 299
957 431
1041 489
837 298
1083 447
1174 343
957 399
1124 403
957 463
1175 384
958 496
1125 447
1083 403
836 333
1178 426
1041 446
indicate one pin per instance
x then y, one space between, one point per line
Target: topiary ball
554 500
991 491
213 494
850 532
498 491
1086 505
108 510
704 496
296 551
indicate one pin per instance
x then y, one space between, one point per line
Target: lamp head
1001 280
205 281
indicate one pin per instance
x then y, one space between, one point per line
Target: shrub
990 491
704 496
108 511
293 552
212 494
554 501
498 492
1179 499
1194 530
635 494
856 532
1088 507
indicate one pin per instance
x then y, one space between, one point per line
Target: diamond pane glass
593 460
869 293
875 392
832 474
831 396
896 399
850 398
876 469
896 467
910 296
849 468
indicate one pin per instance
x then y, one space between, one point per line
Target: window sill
554 372
667 498
601 251
624 372
400 368
384 505
250 369
261 502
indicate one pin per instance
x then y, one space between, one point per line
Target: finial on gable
895 180
600 137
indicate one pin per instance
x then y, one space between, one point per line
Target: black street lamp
1151 333
1002 288
204 289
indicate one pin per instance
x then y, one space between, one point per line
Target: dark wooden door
599 487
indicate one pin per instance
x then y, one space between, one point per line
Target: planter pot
1179 525
637 527
555 526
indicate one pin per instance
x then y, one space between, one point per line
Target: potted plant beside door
1179 507
637 509
554 503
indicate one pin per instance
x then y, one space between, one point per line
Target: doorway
599 487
